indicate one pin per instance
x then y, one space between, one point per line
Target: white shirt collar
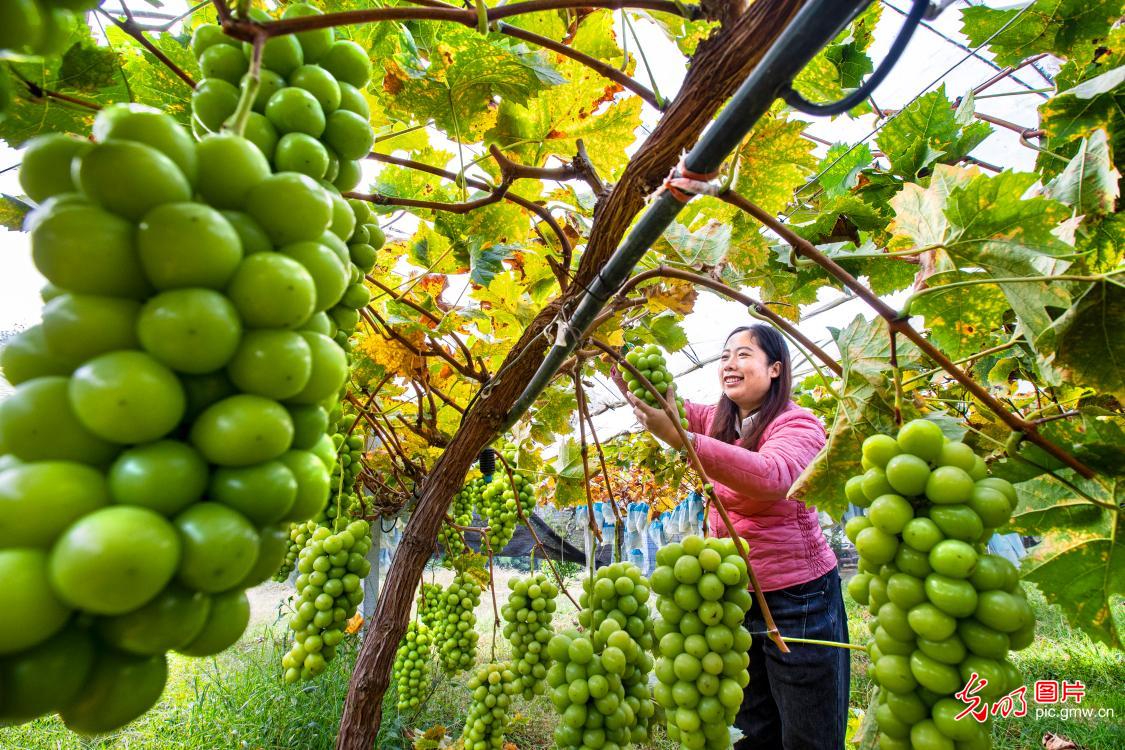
747 424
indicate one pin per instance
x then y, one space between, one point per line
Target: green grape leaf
13 210
486 262
1089 184
1078 111
704 247
667 332
1087 341
819 81
866 407
150 81
684 33
929 130
775 160
840 168
553 411
961 319
1080 562
1065 28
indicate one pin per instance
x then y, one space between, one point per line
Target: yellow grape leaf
675 295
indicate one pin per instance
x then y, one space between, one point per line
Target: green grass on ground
237 701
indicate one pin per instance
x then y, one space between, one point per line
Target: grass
237 701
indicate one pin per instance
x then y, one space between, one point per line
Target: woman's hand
656 420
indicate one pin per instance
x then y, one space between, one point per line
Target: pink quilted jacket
786 543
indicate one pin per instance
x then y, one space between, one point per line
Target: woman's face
745 371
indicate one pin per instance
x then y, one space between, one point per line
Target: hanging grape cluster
411 671
587 693
492 686
299 536
652 365
431 605
183 368
615 609
703 647
309 117
461 511
944 608
497 509
458 645
329 588
528 612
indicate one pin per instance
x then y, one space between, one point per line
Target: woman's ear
775 370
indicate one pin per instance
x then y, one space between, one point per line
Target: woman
753 445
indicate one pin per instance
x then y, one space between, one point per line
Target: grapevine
703 647
944 608
412 667
329 587
528 612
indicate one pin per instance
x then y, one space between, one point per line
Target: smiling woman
753 444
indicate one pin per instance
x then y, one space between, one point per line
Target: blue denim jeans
799 700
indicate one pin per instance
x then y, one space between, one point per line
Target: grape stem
534 535
583 409
740 544
492 589
250 84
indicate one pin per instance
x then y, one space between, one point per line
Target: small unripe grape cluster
588 694
299 536
702 645
528 612
329 588
349 459
411 672
944 608
459 636
492 686
461 511
431 605
650 361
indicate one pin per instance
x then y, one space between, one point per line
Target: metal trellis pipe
809 31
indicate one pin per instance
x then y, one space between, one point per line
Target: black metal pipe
810 30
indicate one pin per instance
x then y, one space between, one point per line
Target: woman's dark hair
727 420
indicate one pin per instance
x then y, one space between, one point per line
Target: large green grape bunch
703 647
411 671
589 696
299 536
615 610
528 613
431 605
169 409
309 117
39 27
497 508
458 646
944 608
331 570
461 511
650 361
492 686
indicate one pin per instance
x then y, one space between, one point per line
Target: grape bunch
349 459
431 605
331 570
461 511
616 612
650 361
703 647
528 612
459 637
588 694
411 671
497 509
310 117
492 686
299 535
185 396
944 609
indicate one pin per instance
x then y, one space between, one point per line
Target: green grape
951 607
702 655
411 671
458 642
528 612
492 688
329 588
652 365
